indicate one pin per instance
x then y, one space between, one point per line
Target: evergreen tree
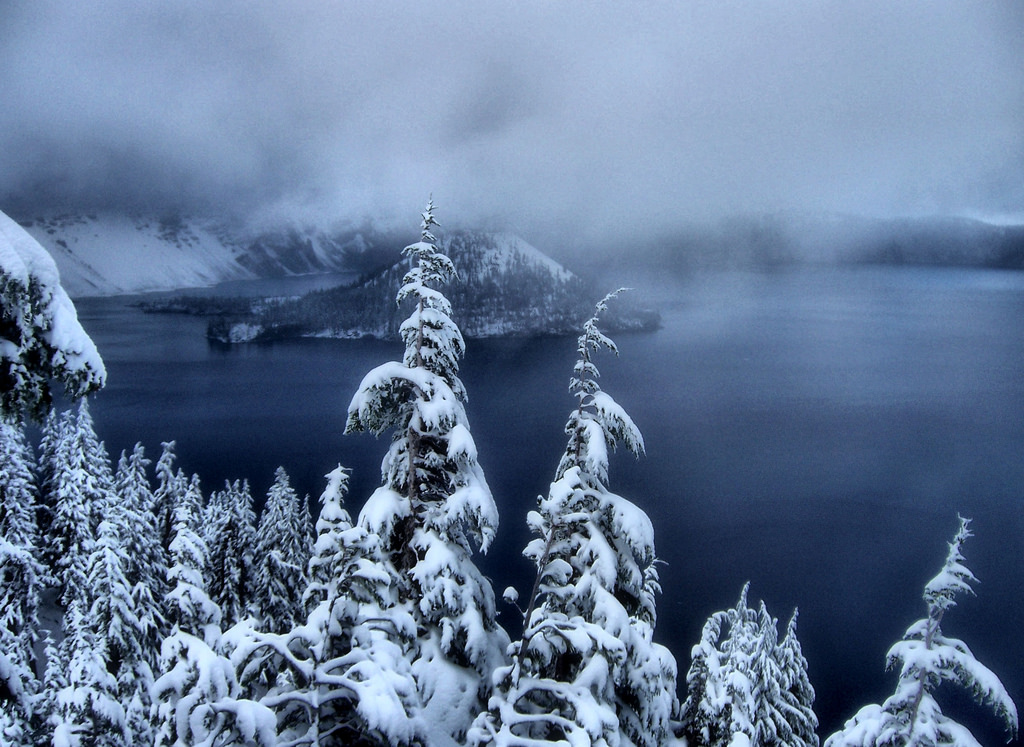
281 558
911 717
231 539
51 435
171 486
122 621
22 576
796 692
81 702
41 340
189 607
197 700
341 677
721 680
147 562
434 505
744 686
82 484
587 670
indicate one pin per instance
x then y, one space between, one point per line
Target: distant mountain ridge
108 254
117 253
780 239
505 287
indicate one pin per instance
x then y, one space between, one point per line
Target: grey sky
595 118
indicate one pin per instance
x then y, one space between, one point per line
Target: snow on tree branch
925 658
41 339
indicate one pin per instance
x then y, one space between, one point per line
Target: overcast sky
594 118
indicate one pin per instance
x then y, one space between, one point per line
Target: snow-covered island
504 287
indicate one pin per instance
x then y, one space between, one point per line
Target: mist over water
812 431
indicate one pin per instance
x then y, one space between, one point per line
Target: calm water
814 432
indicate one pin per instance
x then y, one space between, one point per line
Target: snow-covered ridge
108 254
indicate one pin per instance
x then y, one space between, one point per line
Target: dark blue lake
814 432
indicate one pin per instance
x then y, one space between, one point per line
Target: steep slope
108 254
505 287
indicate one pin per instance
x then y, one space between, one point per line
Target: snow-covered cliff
107 254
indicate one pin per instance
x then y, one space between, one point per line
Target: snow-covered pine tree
82 485
230 533
587 670
304 527
50 436
720 682
342 676
745 687
911 717
795 691
189 607
80 702
22 577
170 488
41 340
197 700
147 563
281 558
56 432
434 505
123 622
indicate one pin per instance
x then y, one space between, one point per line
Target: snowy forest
186 619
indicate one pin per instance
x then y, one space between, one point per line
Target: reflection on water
814 432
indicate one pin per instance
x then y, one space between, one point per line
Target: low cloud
579 121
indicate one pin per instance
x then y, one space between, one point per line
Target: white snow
22 257
110 254
500 250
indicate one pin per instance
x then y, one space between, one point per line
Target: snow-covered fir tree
22 578
170 488
925 658
795 691
341 677
197 699
721 681
80 703
41 339
587 671
123 622
147 561
199 702
230 533
81 489
744 686
434 506
281 558
50 436
189 607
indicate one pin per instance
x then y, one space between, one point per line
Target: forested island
503 287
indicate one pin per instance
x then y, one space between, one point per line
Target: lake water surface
813 431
